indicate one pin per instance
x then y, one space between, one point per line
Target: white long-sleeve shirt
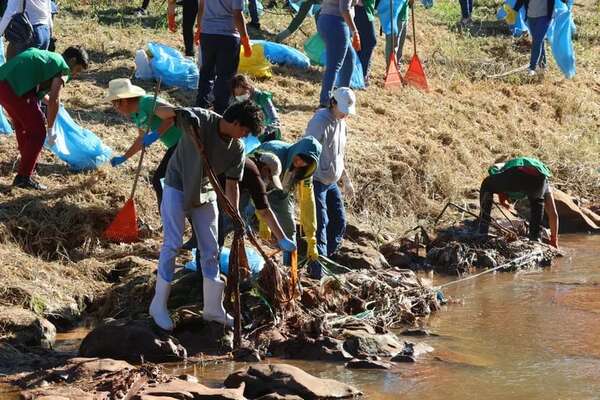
38 11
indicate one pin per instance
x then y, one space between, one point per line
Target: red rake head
124 227
415 75
392 77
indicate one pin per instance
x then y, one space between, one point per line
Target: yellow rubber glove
308 217
511 15
263 229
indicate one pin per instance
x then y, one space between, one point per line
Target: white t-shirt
39 12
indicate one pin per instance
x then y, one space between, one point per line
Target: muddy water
512 336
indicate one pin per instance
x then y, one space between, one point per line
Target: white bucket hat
123 89
346 100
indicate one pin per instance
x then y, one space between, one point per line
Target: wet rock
487 259
132 341
200 336
411 352
573 217
179 389
367 364
188 378
417 332
61 393
305 348
22 358
404 358
277 396
246 354
366 343
27 328
285 379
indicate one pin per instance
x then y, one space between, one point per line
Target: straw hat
123 89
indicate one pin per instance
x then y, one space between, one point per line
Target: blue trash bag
172 67
281 54
561 39
255 261
251 142
427 3
295 6
80 148
5 127
519 27
389 20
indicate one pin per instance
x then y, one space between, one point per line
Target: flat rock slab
131 341
367 364
323 348
63 393
182 390
360 343
285 380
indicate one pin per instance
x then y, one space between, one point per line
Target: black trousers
145 4
190 11
534 187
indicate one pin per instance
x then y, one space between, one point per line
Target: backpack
19 29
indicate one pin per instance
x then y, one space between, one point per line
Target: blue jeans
253 10
538 28
466 8
339 57
220 60
368 38
331 217
41 36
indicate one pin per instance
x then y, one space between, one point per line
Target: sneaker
531 72
140 12
27 182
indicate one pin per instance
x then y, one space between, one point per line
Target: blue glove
115 161
286 244
315 269
151 138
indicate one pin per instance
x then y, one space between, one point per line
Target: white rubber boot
213 303
158 307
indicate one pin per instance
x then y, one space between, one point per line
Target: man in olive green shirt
188 192
26 79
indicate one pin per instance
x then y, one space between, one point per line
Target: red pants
29 123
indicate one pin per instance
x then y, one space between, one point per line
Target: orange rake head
415 75
392 77
124 227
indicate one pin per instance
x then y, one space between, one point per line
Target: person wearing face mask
328 126
260 169
299 162
242 88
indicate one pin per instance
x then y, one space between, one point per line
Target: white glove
348 186
51 137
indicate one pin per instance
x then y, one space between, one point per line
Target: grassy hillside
409 152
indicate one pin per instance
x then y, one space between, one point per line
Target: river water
510 336
505 336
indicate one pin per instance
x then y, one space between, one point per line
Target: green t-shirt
33 69
140 118
403 16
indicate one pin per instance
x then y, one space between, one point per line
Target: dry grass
409 152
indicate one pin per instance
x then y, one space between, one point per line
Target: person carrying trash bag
27 78
221 29
539 15
299 162
260 169
242 88
328 126
516 179
188 192
336 26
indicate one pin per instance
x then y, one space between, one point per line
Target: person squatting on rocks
539 13
188 192
299 162
39 13
190 13
336 26
29 77
260 170
516 179
328 127
222 28
242 88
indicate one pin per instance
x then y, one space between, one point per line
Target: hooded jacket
286 152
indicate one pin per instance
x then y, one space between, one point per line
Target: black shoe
27 182
255 25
